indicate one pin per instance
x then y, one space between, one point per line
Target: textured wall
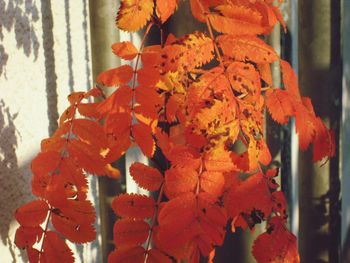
44 55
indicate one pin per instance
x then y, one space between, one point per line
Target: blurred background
50 48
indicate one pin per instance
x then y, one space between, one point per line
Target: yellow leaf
134 14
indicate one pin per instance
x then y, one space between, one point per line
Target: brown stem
154 221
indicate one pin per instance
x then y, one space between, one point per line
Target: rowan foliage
192 99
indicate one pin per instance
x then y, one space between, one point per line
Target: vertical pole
345 145
103 34
320 73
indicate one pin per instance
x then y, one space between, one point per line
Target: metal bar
103 34
320 78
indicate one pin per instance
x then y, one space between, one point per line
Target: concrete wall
44 55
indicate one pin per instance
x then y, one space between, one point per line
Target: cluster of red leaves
193 98
78 146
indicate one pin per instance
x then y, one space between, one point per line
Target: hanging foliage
191 99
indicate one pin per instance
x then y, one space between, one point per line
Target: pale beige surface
44 54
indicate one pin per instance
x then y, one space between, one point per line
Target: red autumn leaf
180 181
290 79
324 144
277 245
177 219
134 206
127 255
146 177
90 132
129 232
68 114
212 183
134 14
246 48
191 51
78 210
125 50
240 199
156 256
280 105
119 99
116 76
27 236
237 20
150 56
148 97
87 156
265 73
89 110
305 126
279 17
148 77
55 249
32 214
166 8
142 134
219 161
33 255
73 230
76 184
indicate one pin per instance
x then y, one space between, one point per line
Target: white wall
44 55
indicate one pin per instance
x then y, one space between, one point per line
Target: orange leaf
191 51
127 255
90 132
148 76
55 250
150 56
112 172
279 17
305 126
146 177
149 98
277 245
32 214
120 98
280 105
180 181
116 76
89 110
143 137
134 206
212 183
125 50
246 48
129 232
290 79
134 14
68 114
219 162
265 73
252 193
235 25
177 219
324 144
166 8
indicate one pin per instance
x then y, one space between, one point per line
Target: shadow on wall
13 182
20 16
